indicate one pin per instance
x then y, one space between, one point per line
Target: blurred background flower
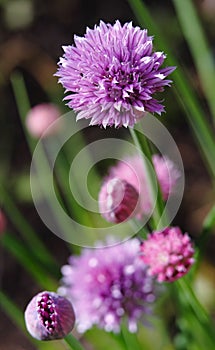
40 119
107 285
131 169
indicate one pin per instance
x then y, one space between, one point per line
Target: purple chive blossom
117 200
49 316
111 75
108 284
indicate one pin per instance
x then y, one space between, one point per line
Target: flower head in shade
3 222
41 117
131 170
108 284
168 254
112 75
117 200
49 316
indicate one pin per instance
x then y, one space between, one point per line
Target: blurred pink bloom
40 117
168 254
3 222
167 174
49 316
131 170
117 200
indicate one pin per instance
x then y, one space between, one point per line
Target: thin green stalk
43 177
185 94
24 256
100 339
73 343
12 310
208 226
34 244
201 242
62 173
130 339
188 299
155 193
201 52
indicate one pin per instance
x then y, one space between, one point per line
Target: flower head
168 254
112 74
49 316
117 200
3 222
107 284
132 171
167 174
41 117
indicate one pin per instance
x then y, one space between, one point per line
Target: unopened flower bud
40 118
117 200
49 316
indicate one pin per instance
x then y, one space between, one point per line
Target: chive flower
107 285
112 75
169 254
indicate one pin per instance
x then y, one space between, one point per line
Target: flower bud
49 316
117 200
40 118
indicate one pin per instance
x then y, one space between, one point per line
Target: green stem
130 339
12 310
200 50
208 225
35 245
24 256
73 342
155 194
189 299
185 94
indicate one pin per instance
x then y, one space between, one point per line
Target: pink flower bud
168 254
41 117
49 316
117 200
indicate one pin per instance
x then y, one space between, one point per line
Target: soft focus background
31 35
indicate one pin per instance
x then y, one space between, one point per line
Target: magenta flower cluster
108 284
112 75
168 254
